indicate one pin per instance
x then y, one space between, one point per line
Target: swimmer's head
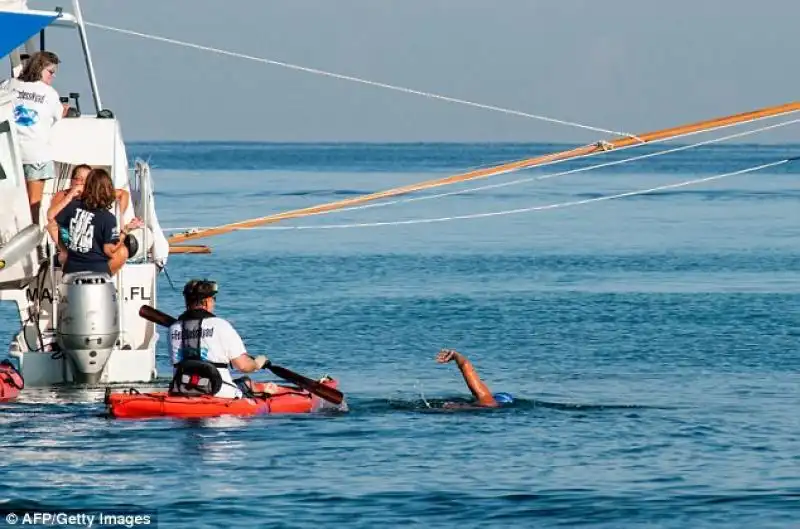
503 398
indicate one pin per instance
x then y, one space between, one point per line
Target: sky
622 65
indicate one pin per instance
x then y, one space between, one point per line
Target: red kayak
132 404
10 381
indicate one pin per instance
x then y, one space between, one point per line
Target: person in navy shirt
86 231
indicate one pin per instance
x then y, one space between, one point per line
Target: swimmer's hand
448 355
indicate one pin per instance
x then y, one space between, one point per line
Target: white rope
542 177
528 209
357 80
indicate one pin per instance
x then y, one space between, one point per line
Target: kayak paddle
312 386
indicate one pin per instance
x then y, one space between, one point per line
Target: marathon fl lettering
139 293
32 294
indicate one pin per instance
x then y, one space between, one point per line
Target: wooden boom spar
484 173
188 248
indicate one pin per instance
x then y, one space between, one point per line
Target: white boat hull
132 360
32 283
43 369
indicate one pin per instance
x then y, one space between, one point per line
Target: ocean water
651 342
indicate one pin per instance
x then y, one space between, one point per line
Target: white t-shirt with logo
36 109
220 343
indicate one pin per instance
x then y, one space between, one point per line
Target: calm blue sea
652 342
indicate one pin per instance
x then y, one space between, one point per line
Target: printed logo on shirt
207 332
81 231
30 96
25 117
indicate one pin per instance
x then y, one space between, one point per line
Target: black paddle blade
317 388
156 316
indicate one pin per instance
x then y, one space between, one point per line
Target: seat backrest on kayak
193 374
195 377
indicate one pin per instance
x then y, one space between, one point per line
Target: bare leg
35 191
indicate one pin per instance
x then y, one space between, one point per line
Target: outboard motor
88 323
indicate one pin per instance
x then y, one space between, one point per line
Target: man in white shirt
201 344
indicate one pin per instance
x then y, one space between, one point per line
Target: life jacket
193 375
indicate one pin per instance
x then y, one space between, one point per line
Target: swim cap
503 398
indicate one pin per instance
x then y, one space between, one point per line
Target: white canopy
93 141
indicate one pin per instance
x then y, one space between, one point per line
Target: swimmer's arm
474 382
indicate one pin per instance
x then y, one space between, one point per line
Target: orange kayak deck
131 404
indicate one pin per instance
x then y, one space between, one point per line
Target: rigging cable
357 80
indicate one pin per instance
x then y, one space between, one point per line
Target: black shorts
100 267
